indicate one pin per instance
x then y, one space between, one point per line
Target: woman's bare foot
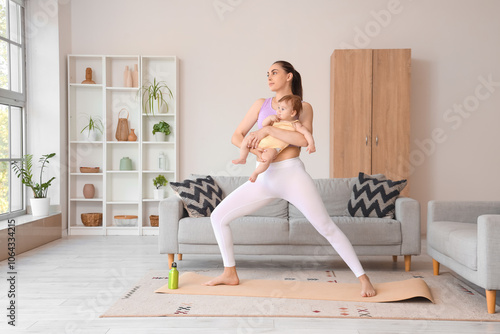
367 289
228 277
239 161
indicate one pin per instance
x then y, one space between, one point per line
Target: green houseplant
24 170
161 130
93 126
153 96
159 182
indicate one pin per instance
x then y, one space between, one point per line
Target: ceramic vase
135 76
132 136
40 206
127 77
160 136
88 191
159 193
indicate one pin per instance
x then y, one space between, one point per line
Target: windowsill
25 219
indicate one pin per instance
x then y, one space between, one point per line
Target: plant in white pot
161 130
40 204
153 97
94 125
159 182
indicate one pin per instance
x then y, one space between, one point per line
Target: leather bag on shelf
122 127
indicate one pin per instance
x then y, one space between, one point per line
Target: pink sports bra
265 111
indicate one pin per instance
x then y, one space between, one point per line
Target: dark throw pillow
199 196
372 197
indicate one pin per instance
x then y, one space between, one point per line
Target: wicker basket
154 220
92 219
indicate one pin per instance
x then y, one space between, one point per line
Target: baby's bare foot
239 161
253 177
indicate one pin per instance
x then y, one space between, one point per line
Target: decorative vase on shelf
159 193
162 161
91 135
132 136
160 136
88 77
135 76
88 190
127 77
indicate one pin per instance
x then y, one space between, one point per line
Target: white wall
226 52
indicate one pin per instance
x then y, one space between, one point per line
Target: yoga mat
191 284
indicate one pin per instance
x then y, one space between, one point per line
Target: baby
289 109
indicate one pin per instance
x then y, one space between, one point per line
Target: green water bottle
173 277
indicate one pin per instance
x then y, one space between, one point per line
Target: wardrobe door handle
366 140
376 141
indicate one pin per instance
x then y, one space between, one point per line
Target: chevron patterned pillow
199 196
372 197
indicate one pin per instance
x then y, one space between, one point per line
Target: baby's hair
296 102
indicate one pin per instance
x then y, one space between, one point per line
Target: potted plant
161 130
159 182
40 204
153 96
93 125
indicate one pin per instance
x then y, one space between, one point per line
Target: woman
285 178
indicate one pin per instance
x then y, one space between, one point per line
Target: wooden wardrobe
370 112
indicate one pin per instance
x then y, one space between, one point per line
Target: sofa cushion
199 196
455 240
246 231
359 230
373 197
335 194
277 208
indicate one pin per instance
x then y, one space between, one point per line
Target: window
12 103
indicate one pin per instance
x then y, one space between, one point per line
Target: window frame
11 99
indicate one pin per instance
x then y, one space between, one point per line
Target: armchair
465 237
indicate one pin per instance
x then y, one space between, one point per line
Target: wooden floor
64 286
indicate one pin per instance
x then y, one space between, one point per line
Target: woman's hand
255 137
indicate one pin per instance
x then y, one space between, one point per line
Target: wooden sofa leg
407 262
435 265
491 300
394 258
170 260
179 257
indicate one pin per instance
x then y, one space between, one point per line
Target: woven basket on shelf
92 219
154 220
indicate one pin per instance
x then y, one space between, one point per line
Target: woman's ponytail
296 80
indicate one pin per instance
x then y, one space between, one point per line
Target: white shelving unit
118 192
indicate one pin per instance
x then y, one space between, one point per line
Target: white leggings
288 180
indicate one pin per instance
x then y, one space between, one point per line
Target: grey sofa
465 237
280 229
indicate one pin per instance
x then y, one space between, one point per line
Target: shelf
118 191
122 202
86 85
158 142
124 89
86 199
122 142
157 171
122 171
86 142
